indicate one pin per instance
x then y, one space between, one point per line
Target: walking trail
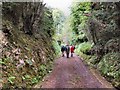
73 73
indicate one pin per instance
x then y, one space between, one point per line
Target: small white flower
22 62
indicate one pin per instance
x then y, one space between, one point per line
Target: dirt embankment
24 59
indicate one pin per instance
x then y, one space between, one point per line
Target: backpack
67 49
62 48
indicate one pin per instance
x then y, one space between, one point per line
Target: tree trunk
32 14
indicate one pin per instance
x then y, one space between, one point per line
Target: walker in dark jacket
67 50
62 50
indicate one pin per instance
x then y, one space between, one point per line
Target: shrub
84 47
110 67
56 47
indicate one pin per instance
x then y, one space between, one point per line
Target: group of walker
67 49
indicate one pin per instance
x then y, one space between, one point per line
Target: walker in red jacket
72 50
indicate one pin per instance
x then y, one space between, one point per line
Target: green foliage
27 76
104 25
107 34
33 50
35 80
110 67
78 15
47 22
29 62
42 67
59 18
98 25
84 47
11 79
85 57
1 62
113 45
56 47
9 6
43 70
4 61
92 61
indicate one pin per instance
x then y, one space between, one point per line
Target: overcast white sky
60 4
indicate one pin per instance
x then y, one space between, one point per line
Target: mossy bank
27 53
